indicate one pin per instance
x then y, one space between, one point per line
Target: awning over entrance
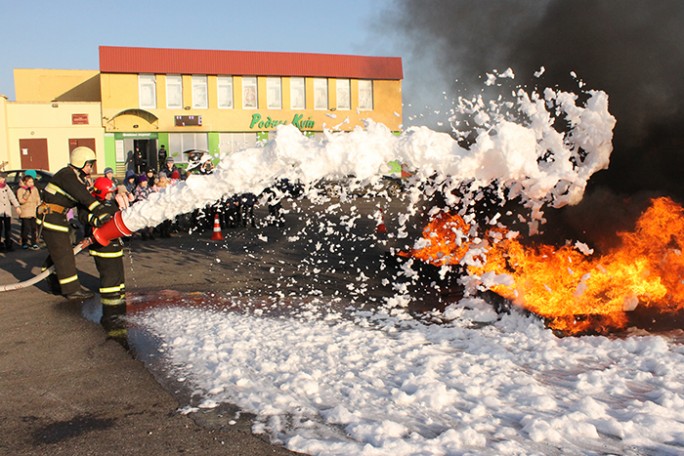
131 119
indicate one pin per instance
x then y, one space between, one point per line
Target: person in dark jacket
170 167
129 181
161 158
66 190
139 162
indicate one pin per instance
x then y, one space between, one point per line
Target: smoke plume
631 49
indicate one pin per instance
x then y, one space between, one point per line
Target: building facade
54 112
218 101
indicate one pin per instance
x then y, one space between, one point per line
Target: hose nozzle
113 229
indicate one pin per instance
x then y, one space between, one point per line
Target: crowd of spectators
233 211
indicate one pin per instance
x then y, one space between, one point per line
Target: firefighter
109 263
108 258
66 190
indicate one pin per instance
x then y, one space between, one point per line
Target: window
297 93
234 142
320 93
342 92
174 91
274 99
249 92
180 142
147 91
366 95
224 85
199 92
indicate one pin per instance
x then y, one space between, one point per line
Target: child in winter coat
142 191
123 197
29 199
7 200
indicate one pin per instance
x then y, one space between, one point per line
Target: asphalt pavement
68 389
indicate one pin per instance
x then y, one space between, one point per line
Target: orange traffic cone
381 228
217 235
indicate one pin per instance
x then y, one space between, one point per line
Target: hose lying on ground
27 283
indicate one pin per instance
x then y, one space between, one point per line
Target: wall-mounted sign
135 135
297 120
188 121
79 119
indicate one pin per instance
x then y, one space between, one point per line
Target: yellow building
219 101
54 111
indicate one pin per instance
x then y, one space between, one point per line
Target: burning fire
445 241
577 293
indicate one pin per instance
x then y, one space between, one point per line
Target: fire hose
43 275
113 229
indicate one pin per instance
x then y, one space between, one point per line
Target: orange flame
575 293
446 241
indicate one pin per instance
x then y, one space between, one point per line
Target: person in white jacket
7 201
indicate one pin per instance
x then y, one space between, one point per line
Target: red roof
188 61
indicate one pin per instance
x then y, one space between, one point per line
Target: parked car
14 177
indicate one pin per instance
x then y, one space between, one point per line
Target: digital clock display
188 121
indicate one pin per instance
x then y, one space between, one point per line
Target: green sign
135 135
297 120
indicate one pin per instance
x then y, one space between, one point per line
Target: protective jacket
109 263
66 190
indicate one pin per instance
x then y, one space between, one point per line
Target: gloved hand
101 215
99 221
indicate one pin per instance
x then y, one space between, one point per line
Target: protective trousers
109 263
62 256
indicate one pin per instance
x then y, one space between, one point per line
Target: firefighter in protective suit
108 258
66 190
109 263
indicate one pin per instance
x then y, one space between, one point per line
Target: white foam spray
526 156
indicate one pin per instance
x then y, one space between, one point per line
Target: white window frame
343 94
200 91
147 91
174 90
365 95
320 94
250 84
180 142
297 93
233 142
274 93
224 92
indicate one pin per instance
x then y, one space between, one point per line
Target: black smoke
631 49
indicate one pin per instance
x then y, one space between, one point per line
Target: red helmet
102 186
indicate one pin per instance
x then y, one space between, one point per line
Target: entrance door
148 147
34 154
88 142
